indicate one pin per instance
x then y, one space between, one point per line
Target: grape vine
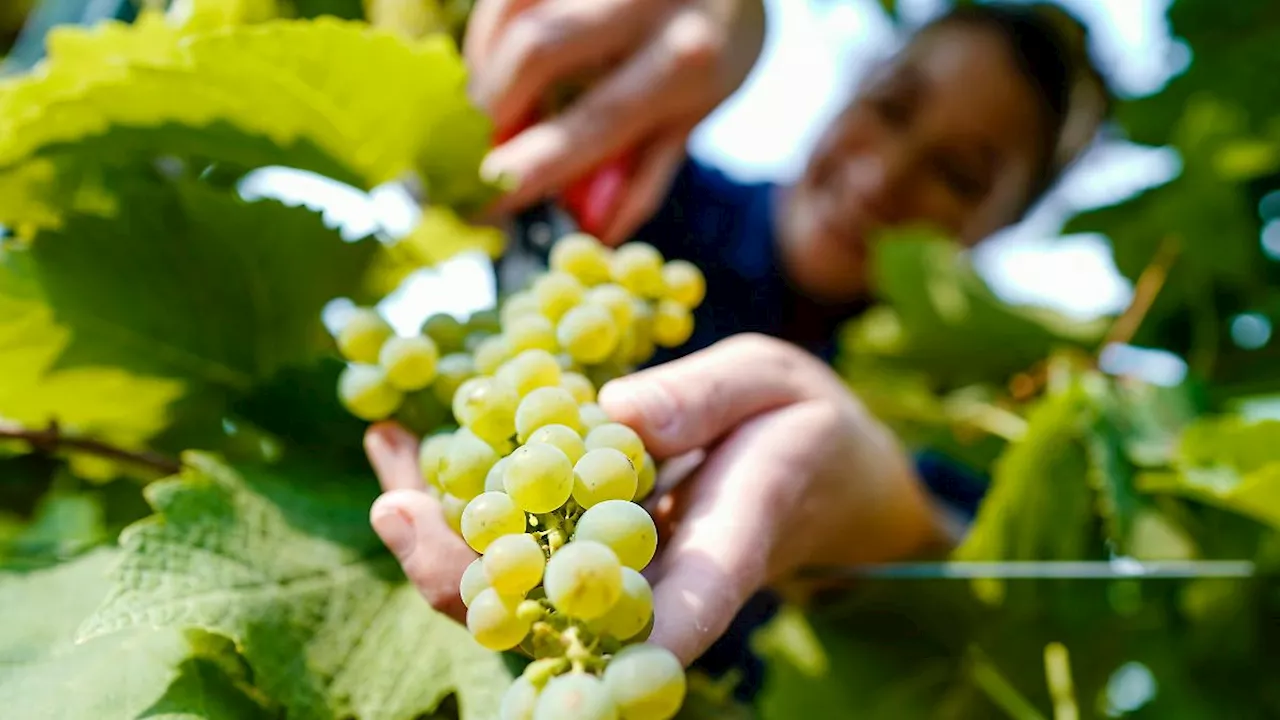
536 478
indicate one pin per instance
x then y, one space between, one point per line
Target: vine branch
51 439
1145 290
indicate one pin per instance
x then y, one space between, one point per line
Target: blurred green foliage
124 154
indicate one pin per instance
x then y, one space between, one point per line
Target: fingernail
649 401
395 528
496 169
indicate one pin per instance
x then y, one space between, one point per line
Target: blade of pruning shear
1063 570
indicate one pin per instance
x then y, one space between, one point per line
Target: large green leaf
1233 56
284 562
1230 463
942 319
46 675
1207 215
190 283
367 99
94 399
1041 505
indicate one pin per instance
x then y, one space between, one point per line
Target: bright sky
813 56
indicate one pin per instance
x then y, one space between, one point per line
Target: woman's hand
796 473
659 67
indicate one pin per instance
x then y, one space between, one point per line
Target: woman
964 130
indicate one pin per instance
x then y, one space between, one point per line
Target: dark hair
1050 48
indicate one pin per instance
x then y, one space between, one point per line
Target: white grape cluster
539 481
597 314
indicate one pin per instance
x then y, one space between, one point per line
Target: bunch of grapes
538 480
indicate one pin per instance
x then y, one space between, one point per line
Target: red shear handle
593 200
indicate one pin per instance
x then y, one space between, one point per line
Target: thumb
690 403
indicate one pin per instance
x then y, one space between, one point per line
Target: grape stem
51 439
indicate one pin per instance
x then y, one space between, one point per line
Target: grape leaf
943 319
1209 217
1228 462
46 675
283 561
194 284
1041 506
1233 57
108 403
334 85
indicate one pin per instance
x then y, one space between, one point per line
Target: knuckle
695 42
533 40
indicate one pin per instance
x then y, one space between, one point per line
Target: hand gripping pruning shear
586 205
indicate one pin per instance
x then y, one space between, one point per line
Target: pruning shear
586 205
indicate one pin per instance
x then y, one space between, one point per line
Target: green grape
474 582
603 474
493 480
538 477
453 507
519 700
575 696
583 579
430 452
491 353
633 611
581 256
646 478
362 336
546 406
365 392
602 374
465 464
513 564
486 321
637 267
474 339
641 332
672 324
587 333
615 299
620 438
623 526
685 283
578 386
451 372
493 621
446 331
487 407
563 437
646 681
592 415
566 362
533 332
488 517
410 362
556 293
516 307
529 371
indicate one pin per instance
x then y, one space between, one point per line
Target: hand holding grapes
797 473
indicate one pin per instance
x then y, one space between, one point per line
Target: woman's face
949 135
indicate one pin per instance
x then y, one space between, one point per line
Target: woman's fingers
393 452
646 188
661 86
412 526
411 522
691 402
